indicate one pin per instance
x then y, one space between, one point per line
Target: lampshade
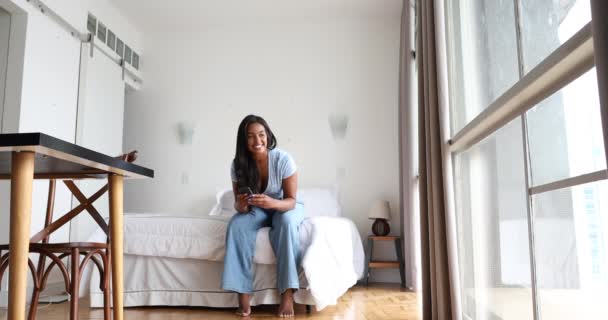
380 210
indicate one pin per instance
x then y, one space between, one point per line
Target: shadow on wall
338 122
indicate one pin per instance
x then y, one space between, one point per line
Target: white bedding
192 237
162 281
174 237
333 256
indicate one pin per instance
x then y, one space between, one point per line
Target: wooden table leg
21 218
116 243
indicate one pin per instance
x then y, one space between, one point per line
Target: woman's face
256 138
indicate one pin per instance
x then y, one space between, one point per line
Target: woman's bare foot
244 309
286 307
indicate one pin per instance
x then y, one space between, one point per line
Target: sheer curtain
408 155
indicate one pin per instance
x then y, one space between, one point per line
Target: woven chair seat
63 247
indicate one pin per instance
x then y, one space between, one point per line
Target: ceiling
157 14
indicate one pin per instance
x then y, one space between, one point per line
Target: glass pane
111 41
92 24
571 242
545 25
565 132
128 52
120 47
101 32
135 61
492 224
482 53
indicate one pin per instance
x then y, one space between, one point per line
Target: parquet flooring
376 302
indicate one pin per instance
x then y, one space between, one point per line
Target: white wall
42 85
292 73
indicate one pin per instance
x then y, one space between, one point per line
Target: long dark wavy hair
247 172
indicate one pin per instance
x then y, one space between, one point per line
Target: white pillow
224 204
319 202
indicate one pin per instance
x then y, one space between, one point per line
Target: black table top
56 158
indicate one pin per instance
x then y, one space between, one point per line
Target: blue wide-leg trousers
240 247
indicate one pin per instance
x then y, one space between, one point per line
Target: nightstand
374 264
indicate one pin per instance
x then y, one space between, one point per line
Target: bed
178 260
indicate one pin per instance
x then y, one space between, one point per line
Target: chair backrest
51 226
50 204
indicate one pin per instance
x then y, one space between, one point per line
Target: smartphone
248 192
245 190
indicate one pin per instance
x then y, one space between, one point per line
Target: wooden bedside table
400 264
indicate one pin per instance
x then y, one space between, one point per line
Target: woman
264 182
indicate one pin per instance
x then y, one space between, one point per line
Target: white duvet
333 256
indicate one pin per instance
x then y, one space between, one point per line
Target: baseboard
54 298
362 283
54 292
3 299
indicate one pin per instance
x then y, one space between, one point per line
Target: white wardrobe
64 92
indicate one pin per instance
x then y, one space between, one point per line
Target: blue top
280 166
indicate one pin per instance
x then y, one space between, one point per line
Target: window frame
564 65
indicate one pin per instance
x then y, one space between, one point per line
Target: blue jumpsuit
284 238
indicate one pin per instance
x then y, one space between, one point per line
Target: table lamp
381 212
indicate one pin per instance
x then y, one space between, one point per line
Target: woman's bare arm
290 188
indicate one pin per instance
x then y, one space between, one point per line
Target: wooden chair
97 252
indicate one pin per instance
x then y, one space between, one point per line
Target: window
111 40
545 25
565 134
120 47
128 53
530 189
571 230
483 53
107 36
92 24
101 32
135 61
492 225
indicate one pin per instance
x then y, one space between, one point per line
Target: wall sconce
185 130
338 123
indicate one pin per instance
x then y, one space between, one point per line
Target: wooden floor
375 302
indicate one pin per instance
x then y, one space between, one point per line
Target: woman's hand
241 204
261 201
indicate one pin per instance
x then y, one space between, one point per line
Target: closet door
99 125
5 24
